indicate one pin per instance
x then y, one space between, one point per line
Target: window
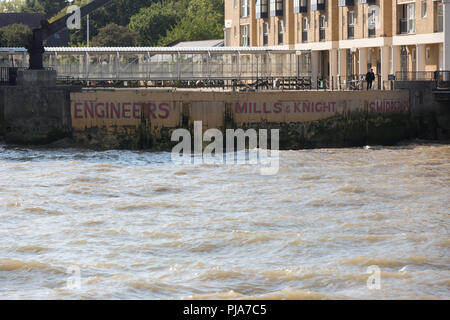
322 21
413 55
276 8
280 31
439 18
317 5
305 29
245 37
372 22
411 11
427 53
424 8
300 6
262 9
266 33
235 3
351 25
245 8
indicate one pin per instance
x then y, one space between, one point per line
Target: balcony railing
415 76
367 1
304 36
8 75
372 32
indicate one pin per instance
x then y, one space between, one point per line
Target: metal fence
414 75
8 75
162 64
442 80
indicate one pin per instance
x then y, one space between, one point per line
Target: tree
11 6
115 11
152 23
15 35
49 7
113 35
203 20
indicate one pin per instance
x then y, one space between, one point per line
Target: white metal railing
221 63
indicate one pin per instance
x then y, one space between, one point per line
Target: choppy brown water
141 227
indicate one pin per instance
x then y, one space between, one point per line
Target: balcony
346 3
317 5
300 6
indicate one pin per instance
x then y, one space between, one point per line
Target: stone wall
34 115
430 111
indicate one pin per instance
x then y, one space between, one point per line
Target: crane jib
36 42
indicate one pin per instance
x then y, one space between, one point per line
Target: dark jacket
370 76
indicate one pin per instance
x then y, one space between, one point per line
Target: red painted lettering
318 107
77 110
306 106
136 110
100 110
115 110
241 109
126 110
164 107
88 108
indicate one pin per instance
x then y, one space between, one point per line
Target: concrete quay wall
141 119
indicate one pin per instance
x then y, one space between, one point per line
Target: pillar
385 63
333 56
446 53
314 67
420 57
362 66
342 68
395 56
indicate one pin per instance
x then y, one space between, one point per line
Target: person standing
370 77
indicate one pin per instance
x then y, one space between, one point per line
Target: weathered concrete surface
34 115
430 113
142 119
36 78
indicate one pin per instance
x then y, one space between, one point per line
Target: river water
134 225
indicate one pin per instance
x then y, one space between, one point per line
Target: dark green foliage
14 35
113 35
